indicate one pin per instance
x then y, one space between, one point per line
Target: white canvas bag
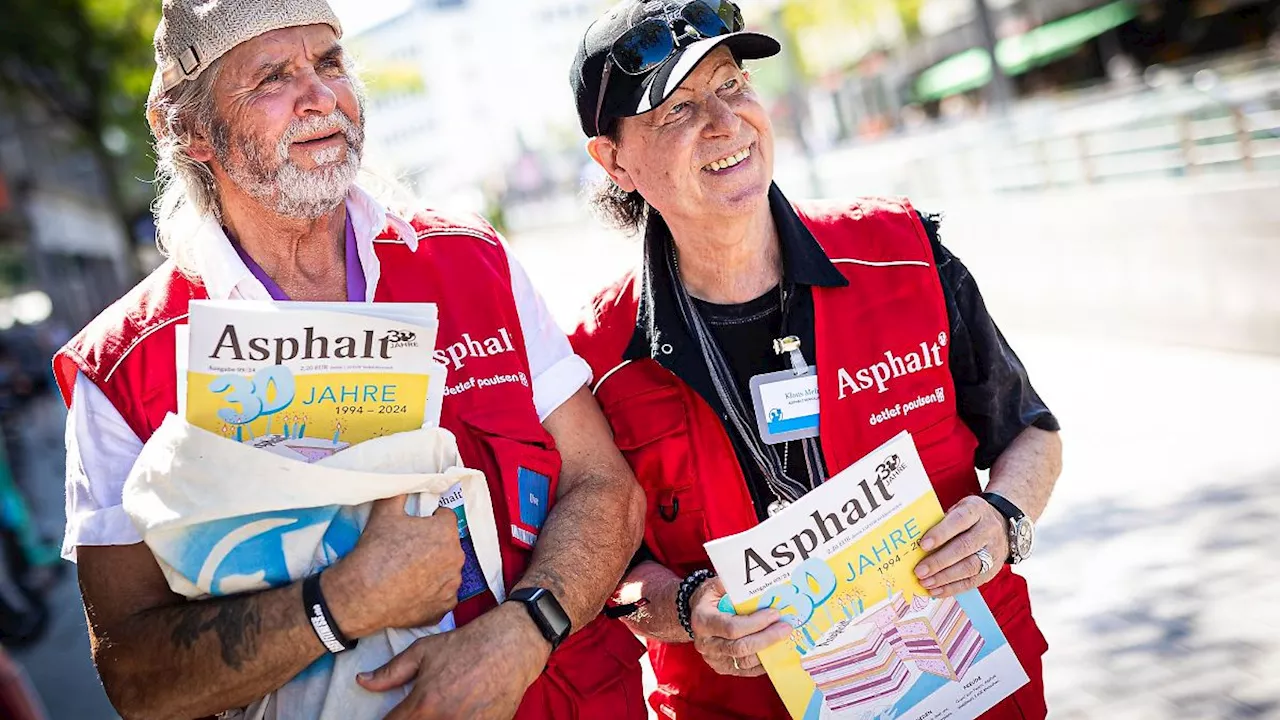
224 518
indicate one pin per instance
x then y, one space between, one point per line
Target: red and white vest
882 346
128 352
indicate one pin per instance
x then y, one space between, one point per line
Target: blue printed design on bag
534 489
342 535
251 552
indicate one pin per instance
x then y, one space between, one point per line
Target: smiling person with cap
740 287
259 125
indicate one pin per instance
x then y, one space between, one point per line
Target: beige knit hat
194 33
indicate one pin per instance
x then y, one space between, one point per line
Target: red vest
128 352
882 367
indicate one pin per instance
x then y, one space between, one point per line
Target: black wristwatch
547 614
1022 532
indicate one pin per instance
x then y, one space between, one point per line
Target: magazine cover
307 380
869 643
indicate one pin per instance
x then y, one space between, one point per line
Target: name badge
786 405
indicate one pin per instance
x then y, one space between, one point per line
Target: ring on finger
984 557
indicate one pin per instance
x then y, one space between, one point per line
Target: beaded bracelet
687 587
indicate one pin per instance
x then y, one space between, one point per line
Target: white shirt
101 448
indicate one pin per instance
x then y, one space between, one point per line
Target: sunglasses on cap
649 44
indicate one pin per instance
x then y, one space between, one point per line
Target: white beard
289 190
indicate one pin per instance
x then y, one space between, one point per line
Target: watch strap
1013 516
532 599
1011 512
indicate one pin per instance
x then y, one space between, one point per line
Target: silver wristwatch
1022 532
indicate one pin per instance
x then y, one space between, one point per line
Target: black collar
660 333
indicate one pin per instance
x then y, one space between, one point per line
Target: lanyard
784 488
815 464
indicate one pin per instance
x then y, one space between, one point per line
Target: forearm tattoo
236 621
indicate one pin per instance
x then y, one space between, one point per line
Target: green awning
972 68
960 72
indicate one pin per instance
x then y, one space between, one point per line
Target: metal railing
1230 139
1194 121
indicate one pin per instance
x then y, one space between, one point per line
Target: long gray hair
177 119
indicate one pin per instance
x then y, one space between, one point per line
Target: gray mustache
337 121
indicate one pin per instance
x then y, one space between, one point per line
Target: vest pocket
652 431
528 473
677 542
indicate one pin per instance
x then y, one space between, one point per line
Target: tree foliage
90 63
812 18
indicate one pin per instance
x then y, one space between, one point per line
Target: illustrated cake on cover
866 669
875 657
302 449
939 638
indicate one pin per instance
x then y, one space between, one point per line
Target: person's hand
481 670
730 643
404 571
952 566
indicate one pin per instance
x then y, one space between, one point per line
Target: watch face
553 613
1024 537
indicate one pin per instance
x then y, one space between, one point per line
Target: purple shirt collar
356 285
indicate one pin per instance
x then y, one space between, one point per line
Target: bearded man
259 130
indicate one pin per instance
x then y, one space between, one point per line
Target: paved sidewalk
1157 572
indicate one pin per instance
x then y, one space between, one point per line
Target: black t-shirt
994 396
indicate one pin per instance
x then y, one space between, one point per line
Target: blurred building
469 102
470 98
57 235
1054 43
942 68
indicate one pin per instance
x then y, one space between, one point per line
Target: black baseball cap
629 95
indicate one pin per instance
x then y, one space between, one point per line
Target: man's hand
481 670
730 643
953 567
404 572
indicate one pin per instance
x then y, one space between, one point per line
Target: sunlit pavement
1155 576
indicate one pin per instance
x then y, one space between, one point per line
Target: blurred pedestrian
31 558
738 285
18 700
259 128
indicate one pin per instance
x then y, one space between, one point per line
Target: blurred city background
1108 169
